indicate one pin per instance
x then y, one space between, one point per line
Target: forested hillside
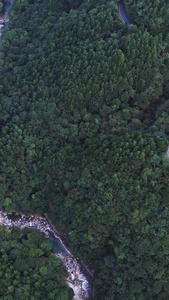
28 269
150 15
84 132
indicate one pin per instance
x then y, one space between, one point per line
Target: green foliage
84 133
1 6
26 271
151 15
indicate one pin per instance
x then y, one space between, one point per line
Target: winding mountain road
123 13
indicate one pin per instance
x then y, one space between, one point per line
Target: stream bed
76 280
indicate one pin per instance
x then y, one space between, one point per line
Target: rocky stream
76 279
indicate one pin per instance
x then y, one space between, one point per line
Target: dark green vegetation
84 117
28 270
1 6
150 15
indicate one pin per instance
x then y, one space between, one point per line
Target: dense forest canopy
28 269
84 131
150 15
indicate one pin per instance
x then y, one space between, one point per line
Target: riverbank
4 15
3 21
76 279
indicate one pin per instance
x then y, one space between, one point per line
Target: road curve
123 13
